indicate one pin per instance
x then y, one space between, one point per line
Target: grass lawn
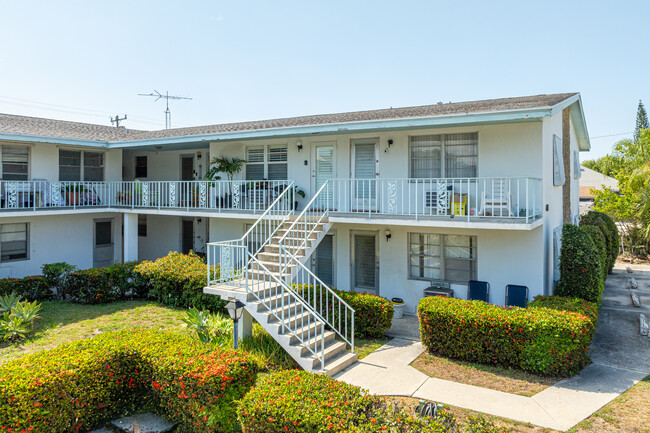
487 376
365 346
628 413
63 321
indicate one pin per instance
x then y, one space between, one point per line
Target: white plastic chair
496 198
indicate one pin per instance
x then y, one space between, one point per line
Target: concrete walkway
621 358
386 371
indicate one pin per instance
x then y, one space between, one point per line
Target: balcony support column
130 237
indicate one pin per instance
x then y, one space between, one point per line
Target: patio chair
516 296
495 199
478 291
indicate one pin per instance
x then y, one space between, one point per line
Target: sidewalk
386 371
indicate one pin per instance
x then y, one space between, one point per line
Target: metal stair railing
227 260
338 315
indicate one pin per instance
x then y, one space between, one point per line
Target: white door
365 262
103 251
364 172
323 172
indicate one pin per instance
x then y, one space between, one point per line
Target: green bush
101 285
601 246
373 314
610 231
178 280
82 384
56 274
538 340
31 288
580 272
575 305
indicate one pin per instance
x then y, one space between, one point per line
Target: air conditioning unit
439 288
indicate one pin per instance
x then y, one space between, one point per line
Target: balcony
452 200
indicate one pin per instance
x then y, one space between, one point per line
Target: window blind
444 155
442 257
103 235
13 241
69 165
93 166
15 162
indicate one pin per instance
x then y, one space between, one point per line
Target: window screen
442 257
103 235
444 155
140 166
69 165
15 162
93 166
266 162
13 241
255 163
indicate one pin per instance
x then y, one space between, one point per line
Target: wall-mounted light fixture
390 143
198 220
299 145
198 155
388 235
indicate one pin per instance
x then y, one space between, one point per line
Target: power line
611 135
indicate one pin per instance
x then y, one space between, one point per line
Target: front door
187 174
187 235
323 172
103 251
364 172
365 262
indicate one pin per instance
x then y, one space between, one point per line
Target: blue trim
53 140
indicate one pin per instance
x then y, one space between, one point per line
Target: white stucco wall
165 165
61 238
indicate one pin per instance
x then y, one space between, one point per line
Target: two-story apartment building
393 198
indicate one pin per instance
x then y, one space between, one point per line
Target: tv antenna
168 115
116 120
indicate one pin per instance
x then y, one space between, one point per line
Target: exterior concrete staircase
281 292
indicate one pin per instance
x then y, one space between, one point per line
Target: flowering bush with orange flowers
31 288
178 280
373 315
540 340
80 385
301 402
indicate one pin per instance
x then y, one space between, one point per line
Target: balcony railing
511 198
472 199
202 195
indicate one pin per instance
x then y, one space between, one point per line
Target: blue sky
244 60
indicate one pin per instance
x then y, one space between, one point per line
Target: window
558 162
444 155
77 165
140 166
442 257
13 242
266 162
15 162
142 226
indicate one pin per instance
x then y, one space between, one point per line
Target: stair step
315 341
341 362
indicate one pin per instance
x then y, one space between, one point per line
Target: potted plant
229 166
292 196
72 193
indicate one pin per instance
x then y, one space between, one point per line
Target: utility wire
611 135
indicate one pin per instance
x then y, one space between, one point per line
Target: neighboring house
395 197
592 180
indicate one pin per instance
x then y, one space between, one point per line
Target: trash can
398 308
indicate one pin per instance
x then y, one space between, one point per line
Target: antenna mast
168 115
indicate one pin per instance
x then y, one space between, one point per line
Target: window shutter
364 168
277 171
278 153
577 173
255 154
187 241
324 260
364 261
558 162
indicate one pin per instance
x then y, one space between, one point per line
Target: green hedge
34 288
373 314
80 385
581 275
107 284
538 340
178 280
575 305
609 229
300 402
597 236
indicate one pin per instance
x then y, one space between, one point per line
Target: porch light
388 235
198 155
299 145
235 309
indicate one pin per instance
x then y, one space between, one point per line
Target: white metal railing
255 196
293 244
515 198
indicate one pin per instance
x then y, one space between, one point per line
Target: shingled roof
62 129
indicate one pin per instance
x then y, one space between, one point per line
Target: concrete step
344 360
315 342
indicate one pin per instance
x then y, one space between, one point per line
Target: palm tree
223 164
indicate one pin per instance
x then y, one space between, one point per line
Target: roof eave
574 103
53 140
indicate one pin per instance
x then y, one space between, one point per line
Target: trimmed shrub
373 315
34 288
538 340
575 305
89 286
80 385
302 402
178 280
580 273
56 274
601 245
610 231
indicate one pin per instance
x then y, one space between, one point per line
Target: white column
130 237
245 325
